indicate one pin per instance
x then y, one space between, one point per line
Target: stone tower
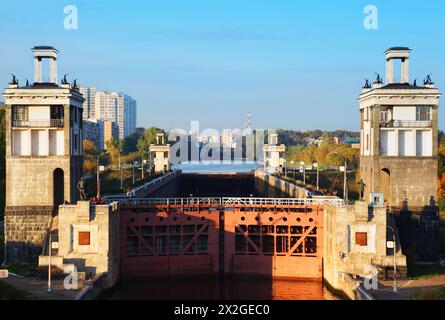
399 139
43 155
273 155
162 154
399 150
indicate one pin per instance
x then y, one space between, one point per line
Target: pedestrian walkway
406 289
39 288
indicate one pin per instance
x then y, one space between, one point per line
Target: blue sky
292 64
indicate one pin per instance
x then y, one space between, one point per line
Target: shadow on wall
419 231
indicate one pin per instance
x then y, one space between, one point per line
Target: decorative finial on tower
27 83
415 82
75 86
379 79
14 80
65 80
367 84
428 80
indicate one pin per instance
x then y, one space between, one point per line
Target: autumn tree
90 153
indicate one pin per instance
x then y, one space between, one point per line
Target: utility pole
133 171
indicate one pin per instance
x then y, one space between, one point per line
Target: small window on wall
423 113
84 238
361 239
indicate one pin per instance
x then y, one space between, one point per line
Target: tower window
423 113
20 113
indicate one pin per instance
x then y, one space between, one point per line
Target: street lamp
135 163
394 254
293 169
98 169
315 165
49 262
304 172
345 179
120 169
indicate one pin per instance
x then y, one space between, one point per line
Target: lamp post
304 172
318 175
345 179
142 159
49 262
293 169
98 175
120 169
394 254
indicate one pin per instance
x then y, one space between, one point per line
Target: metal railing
281 201
170 201
50 123
406 124
229 201
155 182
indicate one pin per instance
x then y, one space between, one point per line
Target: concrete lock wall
344 255
101 253
25 232
273 187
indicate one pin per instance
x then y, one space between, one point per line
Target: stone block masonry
25 232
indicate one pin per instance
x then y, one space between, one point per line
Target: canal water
227 288
218 289
211 167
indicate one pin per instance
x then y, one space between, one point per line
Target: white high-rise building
89 105
117 107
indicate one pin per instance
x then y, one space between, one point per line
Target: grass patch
418 272
430 294
8 292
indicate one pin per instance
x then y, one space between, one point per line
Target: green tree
148 138
90 153
114 148
130 142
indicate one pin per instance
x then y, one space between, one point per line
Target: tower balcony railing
50 123
406 124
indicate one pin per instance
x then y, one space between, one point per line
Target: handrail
229 201
51 123
406 124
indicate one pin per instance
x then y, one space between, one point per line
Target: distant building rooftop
399 49
44 48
